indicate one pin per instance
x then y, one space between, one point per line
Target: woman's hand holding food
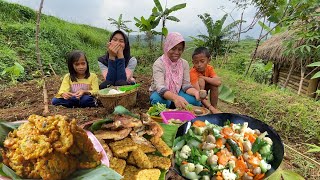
180 102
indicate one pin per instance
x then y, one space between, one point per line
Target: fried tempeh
147 174
117 165
116 135
141 159
121 155
160 162
129 172
161 146
146 148
106 148
131 160
125 145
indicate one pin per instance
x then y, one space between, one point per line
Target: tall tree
119 23
148 26
287 15
217 35
163 13
45 92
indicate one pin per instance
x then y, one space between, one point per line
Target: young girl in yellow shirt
79 85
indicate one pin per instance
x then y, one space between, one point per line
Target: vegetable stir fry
156 109
233 151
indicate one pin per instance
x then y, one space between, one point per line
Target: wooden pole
255 51
45 92
289 74
312 87
239 35
276 72
303 70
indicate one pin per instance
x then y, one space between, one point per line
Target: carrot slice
258 177
219 178
250 137
199 123
223 158
241 166
250 174
219 143
227 132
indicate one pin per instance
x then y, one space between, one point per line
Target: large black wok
220 119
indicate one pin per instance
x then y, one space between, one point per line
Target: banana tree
148 25
163 13
217 36
119 23
128 31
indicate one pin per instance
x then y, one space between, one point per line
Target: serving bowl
220 119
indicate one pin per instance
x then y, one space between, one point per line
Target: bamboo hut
287 69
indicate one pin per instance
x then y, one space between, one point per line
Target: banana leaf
122 110
226 94
99 173
5 128
97 125
8 172
128 88
285 175
169 134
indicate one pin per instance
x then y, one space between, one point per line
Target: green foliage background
57 38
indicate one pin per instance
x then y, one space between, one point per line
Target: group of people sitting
173 82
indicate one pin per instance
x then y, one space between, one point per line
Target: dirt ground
20 101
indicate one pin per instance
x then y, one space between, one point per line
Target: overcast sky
96 12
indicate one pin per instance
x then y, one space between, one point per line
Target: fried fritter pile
49 148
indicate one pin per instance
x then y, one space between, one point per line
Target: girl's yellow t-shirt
90 84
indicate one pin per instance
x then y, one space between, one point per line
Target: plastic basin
177 115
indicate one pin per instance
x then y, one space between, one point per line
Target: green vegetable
156 109
265 150
258 144
216 132
178 143
203 159
193 143
234 147
97 125
122 110
178 159
128 88
204 172
189 107
192 175
264 166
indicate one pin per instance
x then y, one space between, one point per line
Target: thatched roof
274 48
